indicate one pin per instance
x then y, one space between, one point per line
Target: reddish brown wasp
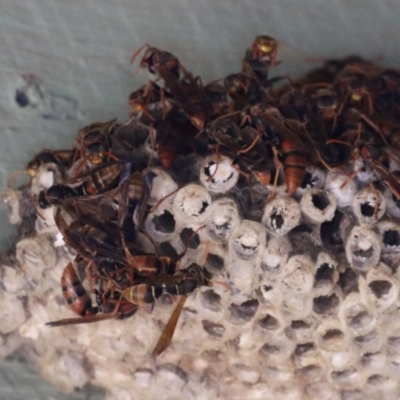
243 89
61 159
182 284
284 136
218 100
93 145
187 91
260 57
80 301
154 59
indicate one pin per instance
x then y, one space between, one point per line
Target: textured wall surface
80 51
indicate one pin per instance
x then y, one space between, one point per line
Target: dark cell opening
324 273
304 348
277 220
164 223
393 341
207 171
299 325
342 375
368 358
361 319
269 349
211 300
348 281
214 262
21 98
369 337
333 334
269 322
204 207
212 329
325 304
367 210
329 231
308 181
396 201
189 239
376 380
320 201
166 249
310 370
364 253
246 310
380 288
391 238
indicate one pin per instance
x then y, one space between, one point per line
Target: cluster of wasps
343 114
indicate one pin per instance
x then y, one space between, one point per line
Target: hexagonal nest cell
233 240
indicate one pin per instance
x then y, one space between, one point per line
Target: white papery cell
318 205
192 204
325 274
369 205
379 288
223 219
163 187
298 275
274 257
331 336
363 248
390 236
247 240
281 215
356 315
342 187
217 173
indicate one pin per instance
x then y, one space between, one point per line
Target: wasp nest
256 224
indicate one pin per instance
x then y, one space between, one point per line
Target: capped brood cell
247 240
297 275
218 174
192 204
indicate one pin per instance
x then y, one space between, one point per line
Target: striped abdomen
75 294
102 179
143 294
294 164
